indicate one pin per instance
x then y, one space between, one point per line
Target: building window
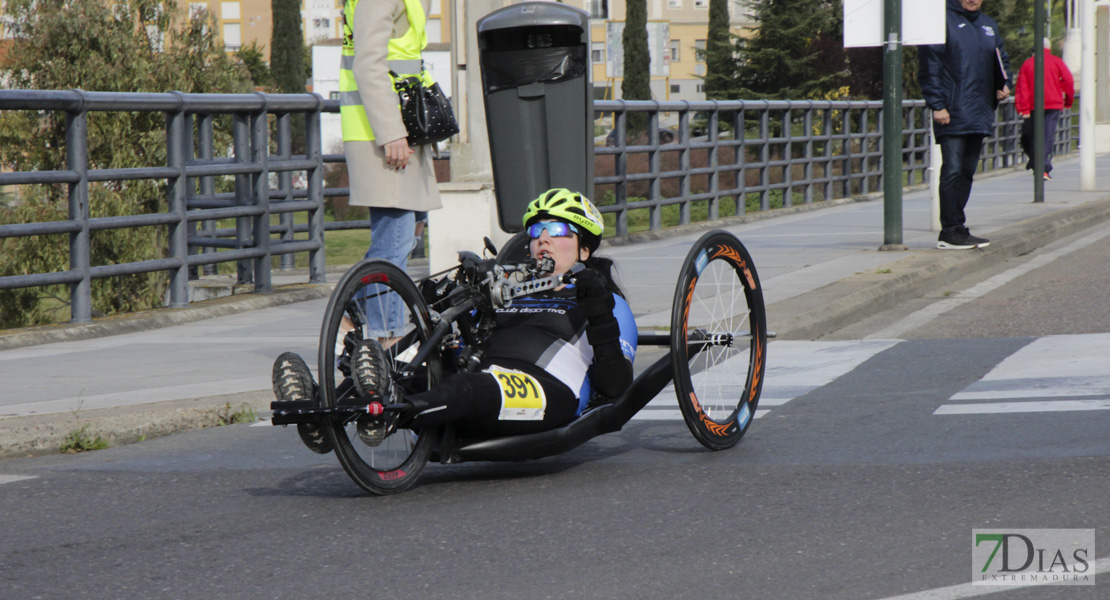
229 11
699 50
676 88
233 40
597 52
701 3
676 47
599 9
701 88
333 95
674 3
434 29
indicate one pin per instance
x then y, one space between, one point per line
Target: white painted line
968 590
1022 407
1054 387
164 394
14 478
936 309
261 423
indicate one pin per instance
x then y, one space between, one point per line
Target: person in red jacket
1059 93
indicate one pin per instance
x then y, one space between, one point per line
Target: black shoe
960 239
370 370
293 383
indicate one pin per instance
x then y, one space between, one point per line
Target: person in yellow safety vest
395 180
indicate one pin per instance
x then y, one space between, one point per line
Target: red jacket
1059 87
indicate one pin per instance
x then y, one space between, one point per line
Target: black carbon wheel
365 292
719 340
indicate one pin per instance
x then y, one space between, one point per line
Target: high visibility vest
403 57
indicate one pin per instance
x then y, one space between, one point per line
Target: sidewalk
136 377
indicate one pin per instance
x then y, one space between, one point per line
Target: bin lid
533 14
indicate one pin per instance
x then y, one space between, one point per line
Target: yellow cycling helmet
572 207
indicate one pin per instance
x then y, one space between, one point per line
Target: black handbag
425 111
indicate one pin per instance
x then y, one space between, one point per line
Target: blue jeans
960 158
391 238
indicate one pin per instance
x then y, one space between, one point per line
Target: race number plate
522 397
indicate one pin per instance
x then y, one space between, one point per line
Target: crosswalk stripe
1022 407
14 478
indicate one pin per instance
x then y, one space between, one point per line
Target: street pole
892 126
1038 101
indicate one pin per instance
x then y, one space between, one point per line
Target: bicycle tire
395 464
718 340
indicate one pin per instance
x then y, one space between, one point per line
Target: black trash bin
539 103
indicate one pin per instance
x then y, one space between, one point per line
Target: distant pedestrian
1059 93
963 80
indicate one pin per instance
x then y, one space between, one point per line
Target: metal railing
790 152
189 173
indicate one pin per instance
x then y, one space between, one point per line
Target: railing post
240 131
207 183
317 272
620 169
260 189
654 194
176 192
285 183
77 159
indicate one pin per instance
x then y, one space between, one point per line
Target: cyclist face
563 250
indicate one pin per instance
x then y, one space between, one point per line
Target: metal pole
1087 98
77 160
177 148
892 126
1038 101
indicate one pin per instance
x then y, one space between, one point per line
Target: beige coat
372 182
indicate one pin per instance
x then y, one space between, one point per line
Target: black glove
593 295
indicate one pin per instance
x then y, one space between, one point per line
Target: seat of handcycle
595 421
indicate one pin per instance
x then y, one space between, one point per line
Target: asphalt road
854 483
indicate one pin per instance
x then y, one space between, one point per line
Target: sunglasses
553 228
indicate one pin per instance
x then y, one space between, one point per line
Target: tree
287 47
718 52
130 46
253 58
637 61
794 52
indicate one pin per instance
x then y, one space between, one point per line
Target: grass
639 219
80 440
243 414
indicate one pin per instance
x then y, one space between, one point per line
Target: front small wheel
718 340
376 299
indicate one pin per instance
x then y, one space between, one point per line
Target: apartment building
677 36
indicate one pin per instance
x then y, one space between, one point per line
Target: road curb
827 309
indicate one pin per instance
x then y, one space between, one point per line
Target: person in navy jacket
962 81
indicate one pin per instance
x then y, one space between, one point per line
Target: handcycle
717 359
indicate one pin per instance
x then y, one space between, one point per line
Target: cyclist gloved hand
593 295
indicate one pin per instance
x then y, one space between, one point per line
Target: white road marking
1022 407
968 590
1067 367
794 368
14 478
936 309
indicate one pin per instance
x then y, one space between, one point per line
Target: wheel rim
720 368
371 287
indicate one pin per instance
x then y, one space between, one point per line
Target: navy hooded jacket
962 75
